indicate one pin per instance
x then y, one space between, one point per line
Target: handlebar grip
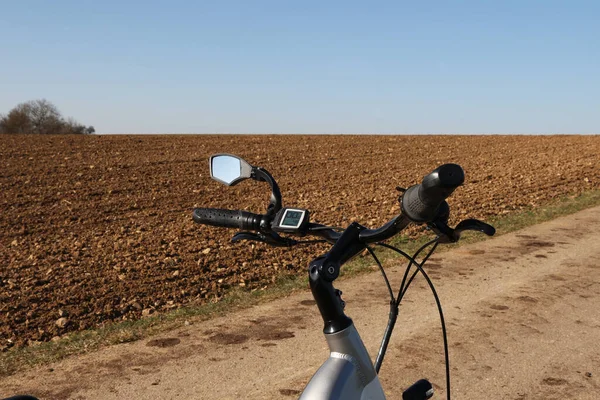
420 202
243 220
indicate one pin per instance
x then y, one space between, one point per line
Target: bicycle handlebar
419 204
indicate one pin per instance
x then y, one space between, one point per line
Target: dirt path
523 319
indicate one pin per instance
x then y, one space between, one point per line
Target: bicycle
349 372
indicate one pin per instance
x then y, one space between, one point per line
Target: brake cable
413 260
395 303
385 278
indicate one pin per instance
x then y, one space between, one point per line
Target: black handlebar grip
420 202
243 220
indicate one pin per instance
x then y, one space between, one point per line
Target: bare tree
72 126
44 116
41 117
17 121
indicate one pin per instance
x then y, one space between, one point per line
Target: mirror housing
229 169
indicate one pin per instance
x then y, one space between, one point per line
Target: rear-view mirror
229 169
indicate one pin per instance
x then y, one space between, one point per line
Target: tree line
40 117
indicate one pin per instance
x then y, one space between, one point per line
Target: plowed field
98 228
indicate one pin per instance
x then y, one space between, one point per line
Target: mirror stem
260 174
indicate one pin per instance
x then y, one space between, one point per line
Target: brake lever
449 235
272 239
474 225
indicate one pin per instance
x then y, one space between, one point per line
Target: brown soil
98 228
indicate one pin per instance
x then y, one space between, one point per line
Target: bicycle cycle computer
290 220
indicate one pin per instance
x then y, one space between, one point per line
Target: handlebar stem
325 269
347 246
327 297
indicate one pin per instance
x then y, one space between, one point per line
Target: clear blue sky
307 66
